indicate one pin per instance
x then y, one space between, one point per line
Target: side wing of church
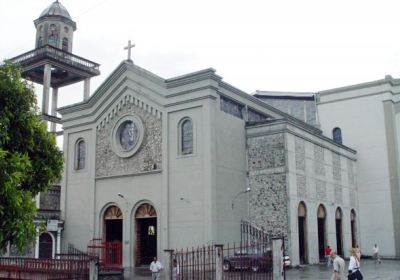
165 163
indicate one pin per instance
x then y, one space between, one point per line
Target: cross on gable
129 47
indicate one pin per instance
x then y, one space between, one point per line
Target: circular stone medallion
127 136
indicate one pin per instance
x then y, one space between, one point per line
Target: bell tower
55 27
52 63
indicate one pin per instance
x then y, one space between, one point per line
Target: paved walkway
387 270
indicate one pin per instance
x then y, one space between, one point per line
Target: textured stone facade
319 157
147 158
300 154
267 180
338 194
337 172
301 186
350 172
320 190
50 200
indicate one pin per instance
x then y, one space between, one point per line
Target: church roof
56 9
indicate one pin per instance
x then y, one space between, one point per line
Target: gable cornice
125 99
387 80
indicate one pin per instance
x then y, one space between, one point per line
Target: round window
127 136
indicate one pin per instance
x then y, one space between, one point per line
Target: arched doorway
45 246
339 233
146 234
302 221
321 215
113 224
353 228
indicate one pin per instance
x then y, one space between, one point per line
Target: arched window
39 42
353 227
186 133
80 154
65 44
53 36
339 230
337 135
302 224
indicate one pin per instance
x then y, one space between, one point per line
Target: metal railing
109 253
51 52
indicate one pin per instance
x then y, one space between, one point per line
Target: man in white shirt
338 266
375 250
155 268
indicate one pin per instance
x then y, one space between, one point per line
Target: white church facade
158 164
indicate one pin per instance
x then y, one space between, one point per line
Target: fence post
277 259
168 263
219 258
93 268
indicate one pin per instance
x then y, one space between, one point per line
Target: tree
29 158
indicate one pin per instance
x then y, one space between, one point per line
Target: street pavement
387 270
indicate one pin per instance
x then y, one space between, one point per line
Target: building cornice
285 122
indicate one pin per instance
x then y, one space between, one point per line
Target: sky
281 45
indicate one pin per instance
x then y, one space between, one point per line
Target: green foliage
29 158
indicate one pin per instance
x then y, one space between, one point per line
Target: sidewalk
387 270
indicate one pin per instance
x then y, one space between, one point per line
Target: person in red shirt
328 251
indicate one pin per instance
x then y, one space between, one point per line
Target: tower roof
55 9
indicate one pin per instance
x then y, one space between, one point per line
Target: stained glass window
151 230
81 155
337 135
52 39
255 116
231 107
187 137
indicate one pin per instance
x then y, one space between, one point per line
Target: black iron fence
251 258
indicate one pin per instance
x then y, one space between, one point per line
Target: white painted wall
363 129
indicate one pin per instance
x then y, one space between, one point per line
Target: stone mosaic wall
300 149
301 186
320 189
350 172
50 200
337 172
338 194
267 180
319 157
148 157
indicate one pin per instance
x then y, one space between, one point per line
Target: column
277 259
54 108
46 88
37 244
219 258
58 240
86 89
168 263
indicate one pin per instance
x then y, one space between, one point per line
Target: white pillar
59 240
37 244
46 88
86 89
54 108
277 259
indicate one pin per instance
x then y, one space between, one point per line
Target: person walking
354 266
328 251
155 268
338 266
375 251
175 270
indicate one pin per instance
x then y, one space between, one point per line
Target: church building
156 163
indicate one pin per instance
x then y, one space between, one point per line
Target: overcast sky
307 45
